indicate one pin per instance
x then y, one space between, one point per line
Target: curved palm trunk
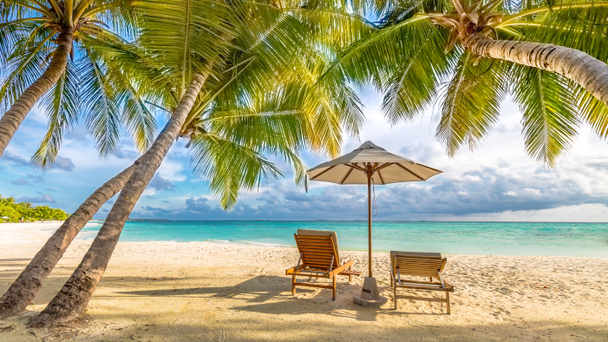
10 121
587 71
71 301
23 290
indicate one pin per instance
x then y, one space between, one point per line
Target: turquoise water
489 238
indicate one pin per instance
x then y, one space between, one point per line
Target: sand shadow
272 295
262 288
16 262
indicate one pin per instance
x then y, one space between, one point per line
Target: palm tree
48 33
88 87
7 200
281 116
547 55
23 290
218 60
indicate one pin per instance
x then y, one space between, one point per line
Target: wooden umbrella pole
369 215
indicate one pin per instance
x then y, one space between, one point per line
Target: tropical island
13 211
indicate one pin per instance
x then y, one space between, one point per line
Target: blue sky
495 182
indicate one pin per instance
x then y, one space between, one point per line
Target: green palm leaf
576 24
100 109
549 113
230 167
471 104
414 80
62 104
182 46
593 111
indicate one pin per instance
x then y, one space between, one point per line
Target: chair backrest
417 264
317 248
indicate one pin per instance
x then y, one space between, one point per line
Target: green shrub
12 214
16 210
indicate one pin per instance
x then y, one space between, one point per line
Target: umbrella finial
369 145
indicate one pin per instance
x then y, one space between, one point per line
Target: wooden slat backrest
417 264
317 251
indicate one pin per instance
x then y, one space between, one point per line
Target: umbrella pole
369 220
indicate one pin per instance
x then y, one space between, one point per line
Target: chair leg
334 288
395 296
350 277
447 300
293 285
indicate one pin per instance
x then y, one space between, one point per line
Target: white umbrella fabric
370 163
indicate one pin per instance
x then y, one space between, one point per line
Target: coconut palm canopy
467 56
47 52
224 72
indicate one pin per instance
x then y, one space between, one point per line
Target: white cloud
173 170
532 191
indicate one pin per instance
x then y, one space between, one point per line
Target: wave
247 243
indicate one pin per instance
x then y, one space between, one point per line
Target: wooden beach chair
421 265
319 258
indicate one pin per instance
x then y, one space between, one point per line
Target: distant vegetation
13 211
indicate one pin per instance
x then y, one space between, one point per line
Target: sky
497 181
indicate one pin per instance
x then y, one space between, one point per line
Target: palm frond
183 34
576 24
592 110
471 104
62 104
373 57
99 106
549 112
229 167
22 69
413 83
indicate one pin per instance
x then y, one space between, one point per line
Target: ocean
480 238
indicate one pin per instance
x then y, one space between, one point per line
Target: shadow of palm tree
262 288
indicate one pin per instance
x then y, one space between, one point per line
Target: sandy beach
170 291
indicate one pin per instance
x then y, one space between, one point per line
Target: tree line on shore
13 211
245 80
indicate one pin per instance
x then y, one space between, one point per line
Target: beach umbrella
366 164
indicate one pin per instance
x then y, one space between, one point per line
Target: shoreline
30 232
174 291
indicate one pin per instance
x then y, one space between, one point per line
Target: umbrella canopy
352 168
370 163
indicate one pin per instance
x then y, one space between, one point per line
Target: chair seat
425 286
425 265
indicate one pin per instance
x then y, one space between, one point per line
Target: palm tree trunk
576 65
10 121
71 301
23 290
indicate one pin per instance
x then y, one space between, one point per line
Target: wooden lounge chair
422 265
319 258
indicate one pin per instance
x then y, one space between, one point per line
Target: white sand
169 291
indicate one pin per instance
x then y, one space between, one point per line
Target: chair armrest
293 269
448 286
338 270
